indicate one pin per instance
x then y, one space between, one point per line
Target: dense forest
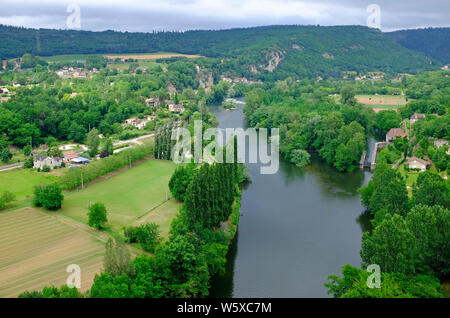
266 53
432 42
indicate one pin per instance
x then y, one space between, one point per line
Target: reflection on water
297 227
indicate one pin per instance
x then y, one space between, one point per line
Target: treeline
305 50
309 119
432 42
410 239
73 177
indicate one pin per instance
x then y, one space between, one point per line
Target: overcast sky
150 15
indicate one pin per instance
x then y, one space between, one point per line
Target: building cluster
414 162
74 72
138 123
69 158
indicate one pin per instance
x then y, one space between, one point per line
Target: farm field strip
39 257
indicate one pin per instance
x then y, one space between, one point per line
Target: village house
175 108
69 155
417 163
394 133
42 148
440 143
138 123
4 99
41 161
416 117
152 102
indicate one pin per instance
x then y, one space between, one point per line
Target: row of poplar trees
163 140
209 197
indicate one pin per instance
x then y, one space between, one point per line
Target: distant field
21 182
67 58
37 247
150 56
127 196
382 102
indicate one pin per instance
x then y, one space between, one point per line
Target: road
133 141
10 167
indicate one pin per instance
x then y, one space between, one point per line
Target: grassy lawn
410 178
21 182
127 196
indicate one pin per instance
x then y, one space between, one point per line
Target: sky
181 15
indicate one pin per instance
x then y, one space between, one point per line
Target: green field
21 182
128 196
67 58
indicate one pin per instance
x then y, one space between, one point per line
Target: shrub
28 164
97 216
5 198
45 168
49 197
146 235
300 158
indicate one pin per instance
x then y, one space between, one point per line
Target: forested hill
432 42
262 52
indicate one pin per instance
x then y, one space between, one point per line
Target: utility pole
82 181
129 158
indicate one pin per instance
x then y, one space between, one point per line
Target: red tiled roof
70 154
424 162
397 132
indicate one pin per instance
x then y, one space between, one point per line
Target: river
297 227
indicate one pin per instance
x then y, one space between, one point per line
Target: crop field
37 247
382 102
128 196
21 182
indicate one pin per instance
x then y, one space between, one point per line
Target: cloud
134 15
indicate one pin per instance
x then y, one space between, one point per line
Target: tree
353 284
430 227
28 164
5 198
97 216
180 180
93 142
27 150
53 292
386 120
54 152
300 157
147 235
386 191
348 96
49 196
117 260
108 146
391 245
5 155
430 189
